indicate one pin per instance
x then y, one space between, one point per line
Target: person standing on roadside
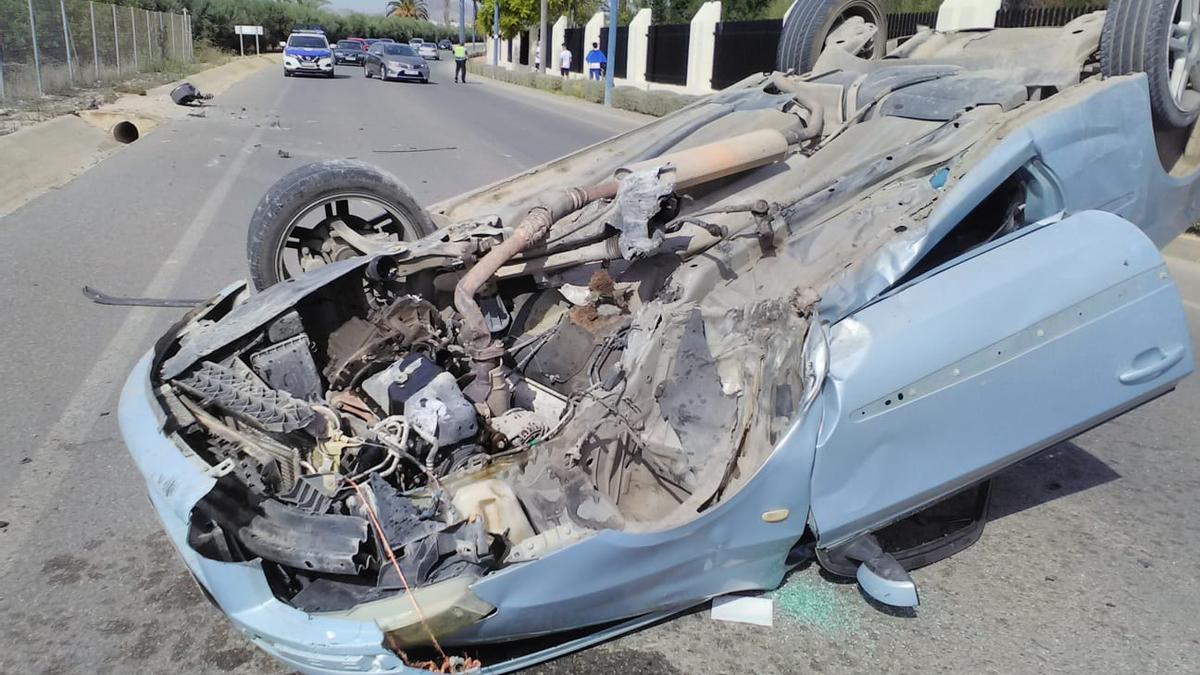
564 61
595 61
460 61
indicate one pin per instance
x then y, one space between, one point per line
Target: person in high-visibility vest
460 61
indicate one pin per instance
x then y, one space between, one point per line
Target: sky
376 7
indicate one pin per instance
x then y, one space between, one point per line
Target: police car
307 52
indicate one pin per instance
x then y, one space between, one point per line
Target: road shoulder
45 156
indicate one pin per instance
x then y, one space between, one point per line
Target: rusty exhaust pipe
689 167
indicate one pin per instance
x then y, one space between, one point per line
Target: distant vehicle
416 42
360 41
388 40
393 61
310 29
349 51
307 53
445 44
428 50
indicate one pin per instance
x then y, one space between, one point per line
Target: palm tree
410 9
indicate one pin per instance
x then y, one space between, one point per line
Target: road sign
247 30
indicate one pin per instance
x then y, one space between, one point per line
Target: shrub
547 82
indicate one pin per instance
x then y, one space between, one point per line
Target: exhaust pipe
689 167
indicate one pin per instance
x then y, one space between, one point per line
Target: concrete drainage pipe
125 132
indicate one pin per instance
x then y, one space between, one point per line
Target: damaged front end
386 432
568 407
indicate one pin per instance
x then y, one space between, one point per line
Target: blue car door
987 359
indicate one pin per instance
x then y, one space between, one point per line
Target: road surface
1089 561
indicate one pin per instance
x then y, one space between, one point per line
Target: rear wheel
810 23
366 70
325 212
1160 38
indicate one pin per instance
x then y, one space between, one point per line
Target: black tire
1134 40
366 71
311 186
286 73
810 22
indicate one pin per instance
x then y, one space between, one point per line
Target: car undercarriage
616 342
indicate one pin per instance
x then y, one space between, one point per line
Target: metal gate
622 57
743 48
667 53
574 39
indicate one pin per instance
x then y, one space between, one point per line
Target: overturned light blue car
769 328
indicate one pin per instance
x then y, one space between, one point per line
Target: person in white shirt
564 61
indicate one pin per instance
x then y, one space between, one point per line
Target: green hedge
654 102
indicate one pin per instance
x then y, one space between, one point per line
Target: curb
50 154
564 100
645 104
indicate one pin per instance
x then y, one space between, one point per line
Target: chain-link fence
53 46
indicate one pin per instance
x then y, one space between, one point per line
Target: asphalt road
1089 561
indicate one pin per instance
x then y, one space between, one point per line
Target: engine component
393 386
246 398
440 410
261 460
496 503
384 336
289 365
517 427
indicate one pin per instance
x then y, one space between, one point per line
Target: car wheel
810 22
287 73
1160 38
366 71
325 212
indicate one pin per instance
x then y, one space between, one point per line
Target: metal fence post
37 62
62 6
95 47
133 38
116 38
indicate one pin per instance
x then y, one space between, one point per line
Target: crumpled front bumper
176 481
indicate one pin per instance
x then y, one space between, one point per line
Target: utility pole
545 39
495 33
612 52
462 17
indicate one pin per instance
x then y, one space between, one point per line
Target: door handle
1150 364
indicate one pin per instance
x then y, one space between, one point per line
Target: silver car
428 50
392 61
782 324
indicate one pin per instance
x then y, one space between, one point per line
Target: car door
373 62
986 359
